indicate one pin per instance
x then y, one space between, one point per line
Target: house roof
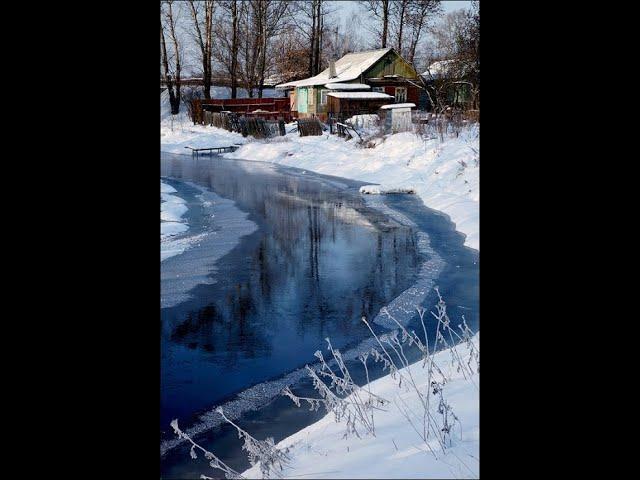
360 95
348 68
398 105
348 86
438 69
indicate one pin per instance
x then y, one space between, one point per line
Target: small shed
346 104
396 117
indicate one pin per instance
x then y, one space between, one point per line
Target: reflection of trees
225 328
324 261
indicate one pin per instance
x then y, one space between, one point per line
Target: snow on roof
360 95
438 68
349 67
347 86
398 105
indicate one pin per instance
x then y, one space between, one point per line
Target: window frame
323 94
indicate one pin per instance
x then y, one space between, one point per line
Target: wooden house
446 79
359 82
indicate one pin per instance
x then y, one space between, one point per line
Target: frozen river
279 259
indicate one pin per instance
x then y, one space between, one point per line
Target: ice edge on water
219 243
403 308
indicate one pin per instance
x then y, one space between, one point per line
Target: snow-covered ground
396 451
177 133
172 209
445 174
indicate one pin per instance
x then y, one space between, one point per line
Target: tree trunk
208 15
385 22
403 7
313 39
175 105
316 66
263 54
234 48
167 76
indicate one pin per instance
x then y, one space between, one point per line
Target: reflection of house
359 82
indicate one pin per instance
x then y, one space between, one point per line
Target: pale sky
448 6
344 9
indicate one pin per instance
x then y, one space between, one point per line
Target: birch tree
170 57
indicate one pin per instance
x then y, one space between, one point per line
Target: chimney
332 69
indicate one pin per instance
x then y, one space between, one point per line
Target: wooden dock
212 150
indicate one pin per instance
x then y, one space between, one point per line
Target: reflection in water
319 262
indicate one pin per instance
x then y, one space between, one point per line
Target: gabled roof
360 95
348 68
348 86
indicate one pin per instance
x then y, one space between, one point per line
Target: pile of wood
309 126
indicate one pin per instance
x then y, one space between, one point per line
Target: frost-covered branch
214 462
272 460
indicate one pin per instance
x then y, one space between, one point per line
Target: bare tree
272 21
380 9
233 71
457 42
202 23
171 72
290 56
314 35
421 13
399 13
468 51
227 45
342 38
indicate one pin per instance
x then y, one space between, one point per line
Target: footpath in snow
445 174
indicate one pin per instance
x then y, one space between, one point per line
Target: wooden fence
309 126
257 127
265 108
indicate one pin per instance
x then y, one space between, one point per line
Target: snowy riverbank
173 226
396 451
172 208
445 174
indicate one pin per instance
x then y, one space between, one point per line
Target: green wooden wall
391 64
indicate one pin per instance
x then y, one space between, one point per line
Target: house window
323 97
377 89
401 94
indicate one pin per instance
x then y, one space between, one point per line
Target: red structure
266 108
